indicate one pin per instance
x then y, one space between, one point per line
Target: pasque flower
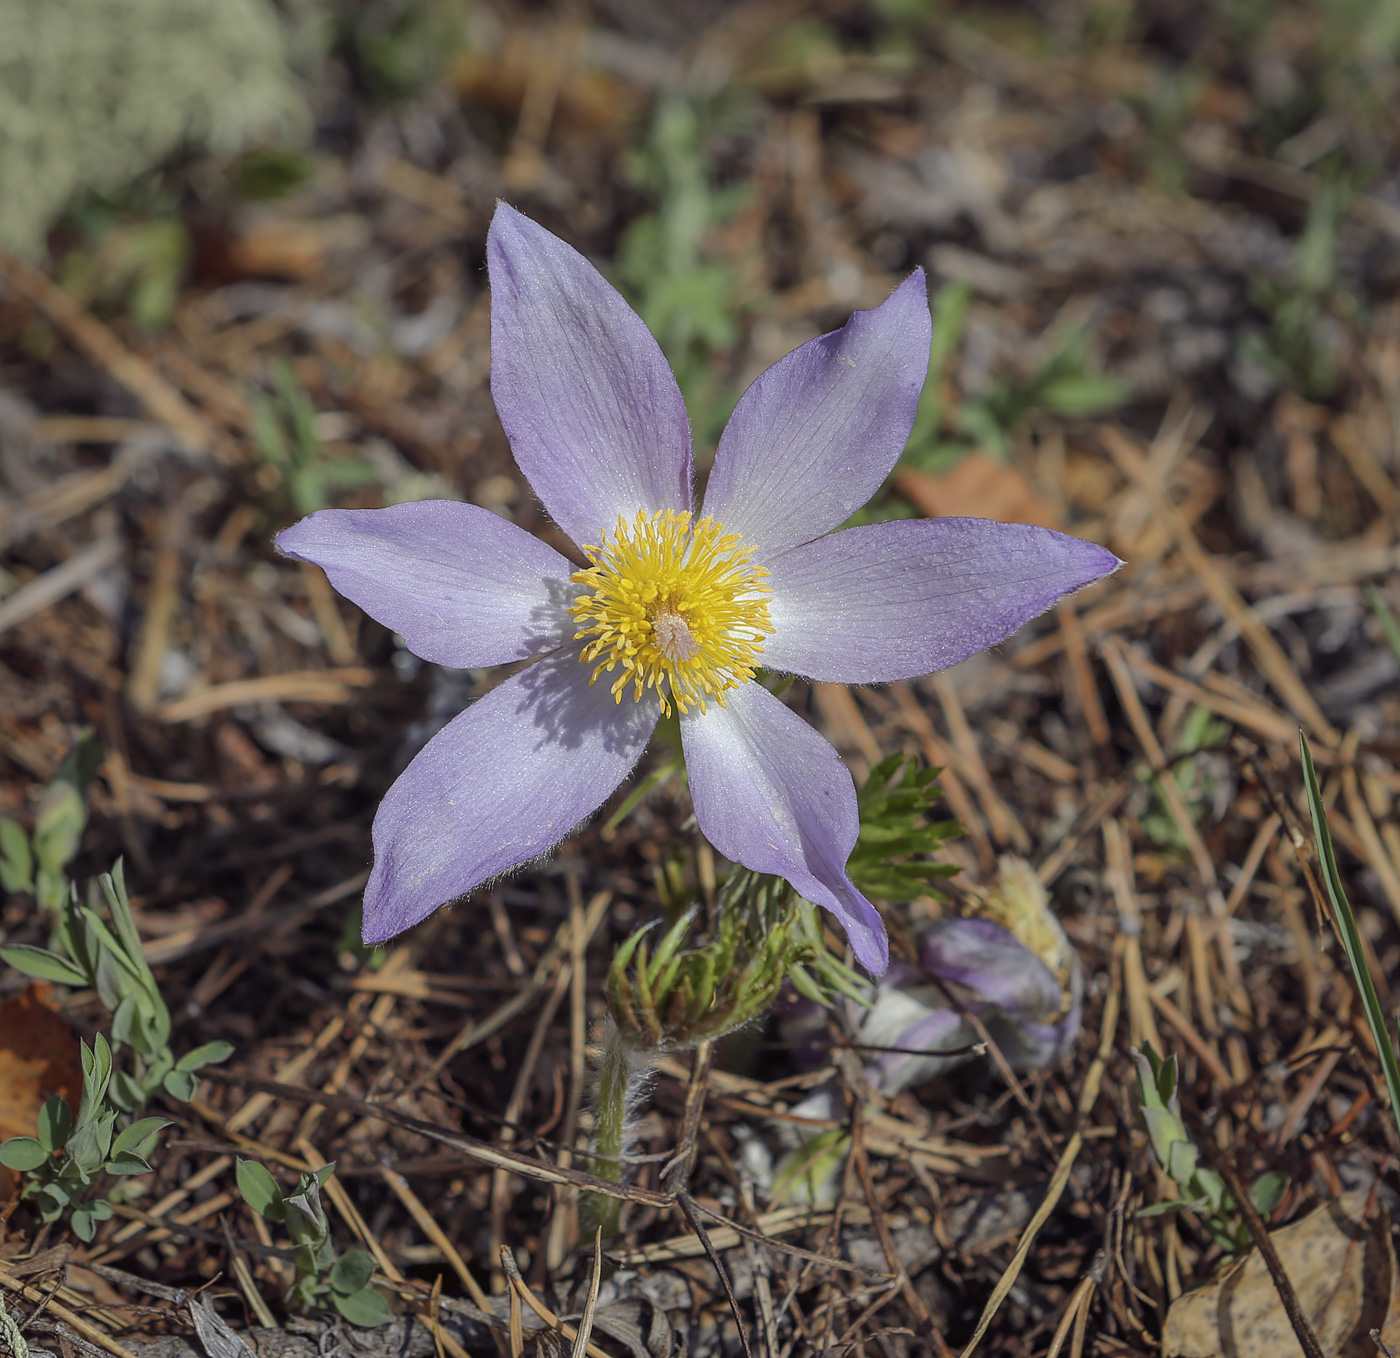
675 608
1008 963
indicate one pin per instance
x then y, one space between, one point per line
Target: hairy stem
620 1078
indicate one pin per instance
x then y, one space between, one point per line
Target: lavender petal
592 411
771 794
499 785
462 586
940 1033
814 436
1031 1045
895 600
990 960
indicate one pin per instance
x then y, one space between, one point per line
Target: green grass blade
650 783
1351 935
1389 626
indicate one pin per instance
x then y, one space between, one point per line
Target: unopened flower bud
1010 965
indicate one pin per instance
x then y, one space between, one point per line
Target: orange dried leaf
38 1059
978 487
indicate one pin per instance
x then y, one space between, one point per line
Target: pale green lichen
94 93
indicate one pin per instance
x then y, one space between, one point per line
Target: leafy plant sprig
106 955
691 301
37 865
1202 1190
1067 382
893 860
672 997
63 1161
293 457
323 1278
669 995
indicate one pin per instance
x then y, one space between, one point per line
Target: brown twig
683 1201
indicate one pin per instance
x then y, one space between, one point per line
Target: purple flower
1010 965
1032 1014
675 609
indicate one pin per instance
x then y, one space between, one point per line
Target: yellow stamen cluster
672 603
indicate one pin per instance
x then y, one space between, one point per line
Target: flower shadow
555 694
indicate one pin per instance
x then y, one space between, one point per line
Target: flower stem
620 1077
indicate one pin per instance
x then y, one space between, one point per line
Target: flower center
672 603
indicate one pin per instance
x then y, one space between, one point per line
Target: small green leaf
260 1191
1166 1079
125 1092
89 1145
324 1173
16 861
83 1224
210 1054
126 1163
102 1056
365 1308
1213 1187
1268 1191
160 1066
1085 394
55 1124
1181 1162
113 886
139 1138
807 987
123 1021
97 1075
1165 1132
40 963
352 1271
71 937
181 1085
113 981
306 1220
59 827
22 1153
53 1197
